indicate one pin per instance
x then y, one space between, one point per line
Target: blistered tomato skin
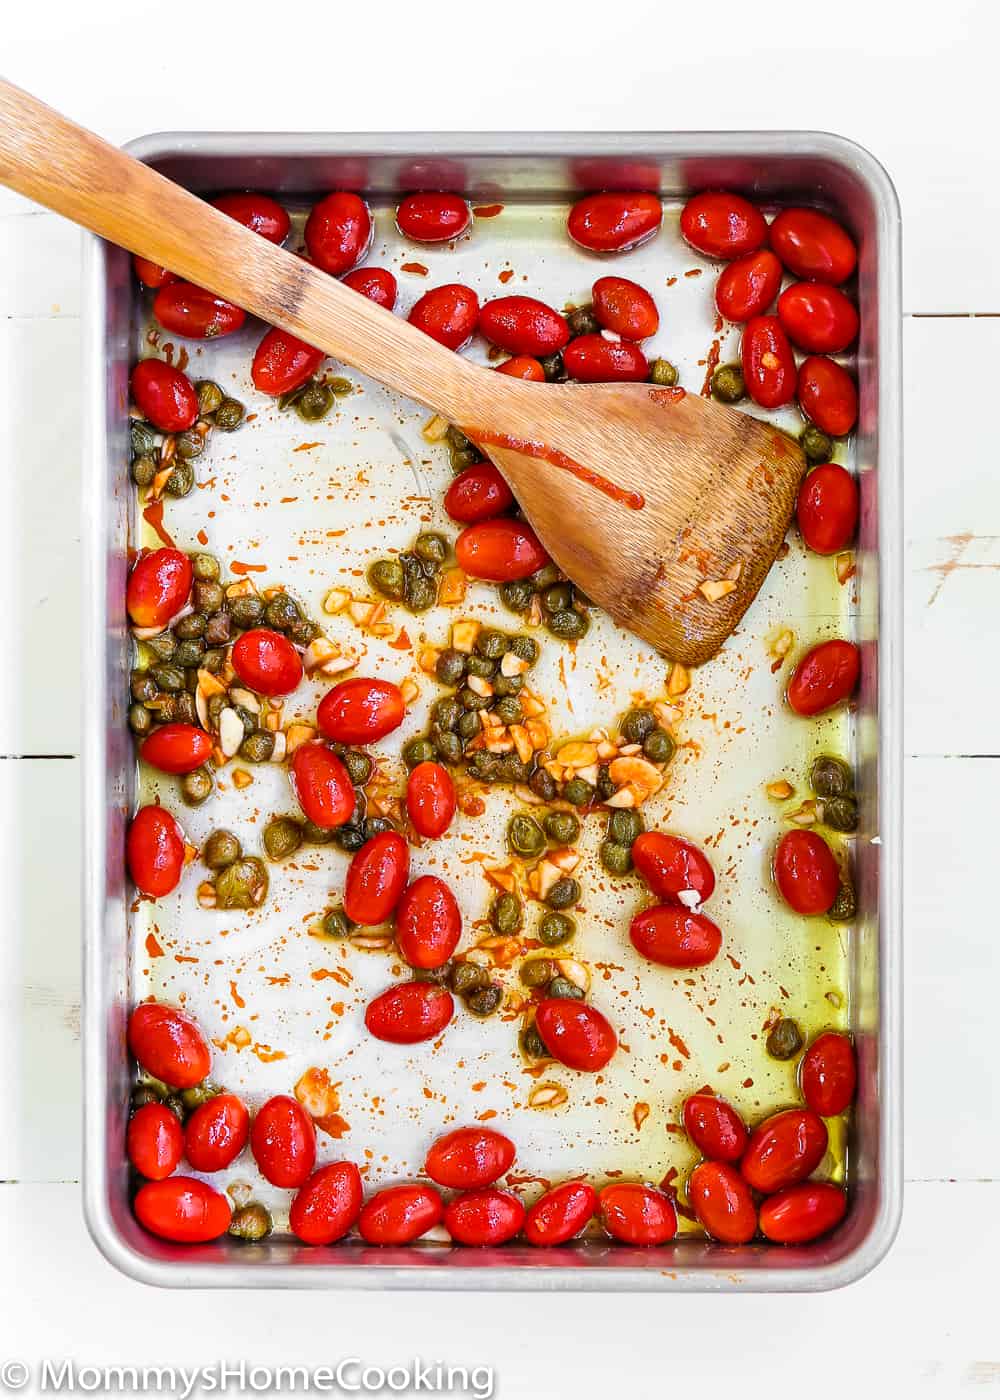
828 1074
523 326
409 1012
500 550
164 395
478 493
375 283
428 923
154 852
189 311
613 223
168 1045
182 1209
827 509
430 799
176 748
216 1133
376 878
154 1141
721 1200
267 662
400 1214
715 1128
360 711
813 245
783 1150
322 785
802 1213
257 212
151 274
672 936
469 1158
282 363
768 362
448 314
637 1214
748 286
338 232
283 1141
327 1205
594 360
523 367
828 396
560 1215
670 866
805 872
826 676
158 587
575 1034
484 1217
432 217
817 317
722 225
625 308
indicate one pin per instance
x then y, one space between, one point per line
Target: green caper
485 766
281 612
564 893
467 978
507 685
554 929
419 593
431 548
143 1094
186 710
513 769
140 721
448 745
439 975
506 913
143 471
565 989
616 858
386 577
180 482
251 1223
302 632
491 644
664 373
336 924
457 439
553 368
524 647
658 746
164 707
515 595
727 384
359 766
167 676
831 777
845 906
314 402
450 667
375 826
624 825
840 813
208 596
419 750
246 610
480 666
349 837
189 445
142 685
470 699
229 415
143 437
446 712
258 746
468 725
485 1001
173 1102
558 597
582 321
193 624
569 625
196 787
216 704
282 837
524 836
532 1044
545 577
816 446
578 792
215 657
209 396
604 787
538 972
199 1093
205 568
189 652
316 835
462 458
163 646
561 827
543 784
784 1039
636 725
247 718
508 709
221 849
242 885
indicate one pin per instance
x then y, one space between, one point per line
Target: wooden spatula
665 508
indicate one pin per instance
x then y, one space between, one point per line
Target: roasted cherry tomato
432 217
283 1141
164 396
468 1158
257 212
805 872
151 274
817 317
478 493
376 878
183 1209
500 550
827 395
216 1133
826 675
594 360
673 936
802 1213
560 1214
829 1074
611 223
448 314
176 748
430 799
784 1149
637 1214
625 308
813 245
672 866
748 286
267 662
409 1012
768 362
154 851
158 587
189 311
322 785
721 1200
575 1034
523 367
327 1205
168 1045
722 225
154 1141
359 711
715 1128
338 232
428 923
484 1217
400 1214
375 283
523 326
281 363
827 508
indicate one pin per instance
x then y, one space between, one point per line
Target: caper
507 685
508 709
513 769
247 718
470 699
208 596
189 652
615 857
359 766
624 825
533 1045
431 548
491 644
419 593
545 577
229 415
282 837
467 978
561 827
461 458
180 482
314 402
205 568
553 368
558 597
457 439
636 725
569 624
485 766
840 813
438 975
419 750
246 610
386 577
485 1001
563 988
196 787
543 784
450 667
816 446
350 837
845 906
604 787
538 972
784 1039
448 745
142 685
258 746
164 707
506 913
209 396
658 746
193 624
163 646
582 321
218 631
242 885
480 666
446 712
143 1094
216 704
524 836
174 1103
140 721
281 612
214 659
336 924
186 710
375 826
167 676
143 471
199 1093
554 929
316 835
189 445
578 792
524 647
251 1223
564 893
831 777
727 384
663 372
302 632
515 595
221 849
468 725
143 437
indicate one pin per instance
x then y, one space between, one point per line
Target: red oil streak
632 499
673 395
153 515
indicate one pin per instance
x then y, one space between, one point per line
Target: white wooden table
918 90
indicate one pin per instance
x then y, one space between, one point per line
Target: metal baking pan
532 176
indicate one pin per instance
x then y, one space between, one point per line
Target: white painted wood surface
918 89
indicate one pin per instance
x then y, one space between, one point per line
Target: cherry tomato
281 363
824 677
484 1217
216 1133
154 851
183 1209
560 1214
154 1141
164 396
612 223
400 1214
829 1074
283 1141
409 1012
158 587
827 508
151 274
448 314
575 1034
715 1128
376 878
500 550
827 395
813 245
375 283
805 872
359 711
322 785
468 1158
670 866
637 1214
432 218
784 1149
176 748
594 360
671 935
257 212
430 799
523 367
428 923
722 225
327 1205
768 362
817 317
266 661
168 1045
625 308
721 1200
802 1213
478 493
747 287
186 310
523 326
338 232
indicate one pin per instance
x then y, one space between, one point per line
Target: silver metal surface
517 170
